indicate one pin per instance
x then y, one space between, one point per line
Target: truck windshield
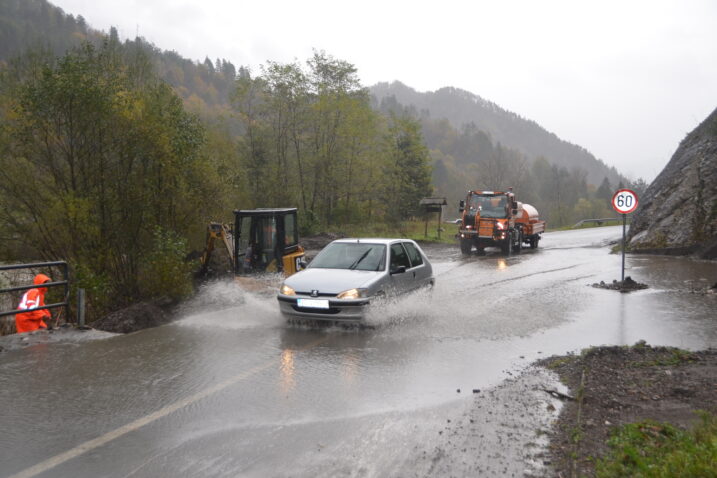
349 255
489 206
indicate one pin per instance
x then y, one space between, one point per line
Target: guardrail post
81 308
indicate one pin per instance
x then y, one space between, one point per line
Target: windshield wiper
357 261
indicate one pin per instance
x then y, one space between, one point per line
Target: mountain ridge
462 107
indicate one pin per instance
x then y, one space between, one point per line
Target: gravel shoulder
614 386
503 431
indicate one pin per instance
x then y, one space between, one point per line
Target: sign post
624 201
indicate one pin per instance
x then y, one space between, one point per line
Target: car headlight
286 290
352 294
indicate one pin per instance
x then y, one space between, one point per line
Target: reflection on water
288 381
502 264
350 367
622 320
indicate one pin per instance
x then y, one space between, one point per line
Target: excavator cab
260 240
267 240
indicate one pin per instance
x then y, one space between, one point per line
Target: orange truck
496 219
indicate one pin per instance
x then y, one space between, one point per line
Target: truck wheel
519 242
534 242
507 245
466 246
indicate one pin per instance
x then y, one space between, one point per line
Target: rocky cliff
678 212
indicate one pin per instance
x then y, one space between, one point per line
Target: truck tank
527 213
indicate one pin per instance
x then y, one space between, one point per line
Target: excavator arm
218 232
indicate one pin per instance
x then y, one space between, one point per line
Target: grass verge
406 229
657 450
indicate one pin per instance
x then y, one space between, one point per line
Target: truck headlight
499 225
352 294
286 290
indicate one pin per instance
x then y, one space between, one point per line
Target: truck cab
496 219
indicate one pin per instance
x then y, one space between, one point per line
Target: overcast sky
625 79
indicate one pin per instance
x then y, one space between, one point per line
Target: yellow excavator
260 240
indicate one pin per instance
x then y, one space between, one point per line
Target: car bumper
340 310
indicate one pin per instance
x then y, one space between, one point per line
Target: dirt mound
614 386
133 318
319 241
628 285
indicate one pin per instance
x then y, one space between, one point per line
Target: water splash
228 304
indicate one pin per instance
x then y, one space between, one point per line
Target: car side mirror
303 264
461 206
398 270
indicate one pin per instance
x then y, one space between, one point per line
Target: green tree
310 138
605 190
98 153
408 170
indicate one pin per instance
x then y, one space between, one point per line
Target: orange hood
41 279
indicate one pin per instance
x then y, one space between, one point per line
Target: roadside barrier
597 221
64 283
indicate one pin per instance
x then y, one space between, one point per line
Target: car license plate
313 303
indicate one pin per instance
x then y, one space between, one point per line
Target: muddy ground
613 386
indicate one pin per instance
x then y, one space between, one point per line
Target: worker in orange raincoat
33 298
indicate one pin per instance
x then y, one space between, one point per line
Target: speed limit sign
624 201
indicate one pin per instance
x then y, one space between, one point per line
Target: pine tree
408 170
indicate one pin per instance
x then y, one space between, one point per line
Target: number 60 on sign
624 201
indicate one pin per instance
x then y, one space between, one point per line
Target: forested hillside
468 157
36 24
39 25
473 142
461 108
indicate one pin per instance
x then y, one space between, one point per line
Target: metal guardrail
597 221
63 283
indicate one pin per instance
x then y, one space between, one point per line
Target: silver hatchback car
348 273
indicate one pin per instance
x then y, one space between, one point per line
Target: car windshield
351 255
489 206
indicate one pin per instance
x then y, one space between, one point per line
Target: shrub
164 272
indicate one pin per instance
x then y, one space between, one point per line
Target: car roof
372 240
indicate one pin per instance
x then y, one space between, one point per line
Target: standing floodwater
231 389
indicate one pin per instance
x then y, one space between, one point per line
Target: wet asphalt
439 385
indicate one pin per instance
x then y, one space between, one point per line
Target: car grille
311 310
308 294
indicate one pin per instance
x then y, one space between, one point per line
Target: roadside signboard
624 201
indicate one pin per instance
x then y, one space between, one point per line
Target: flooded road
230 389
